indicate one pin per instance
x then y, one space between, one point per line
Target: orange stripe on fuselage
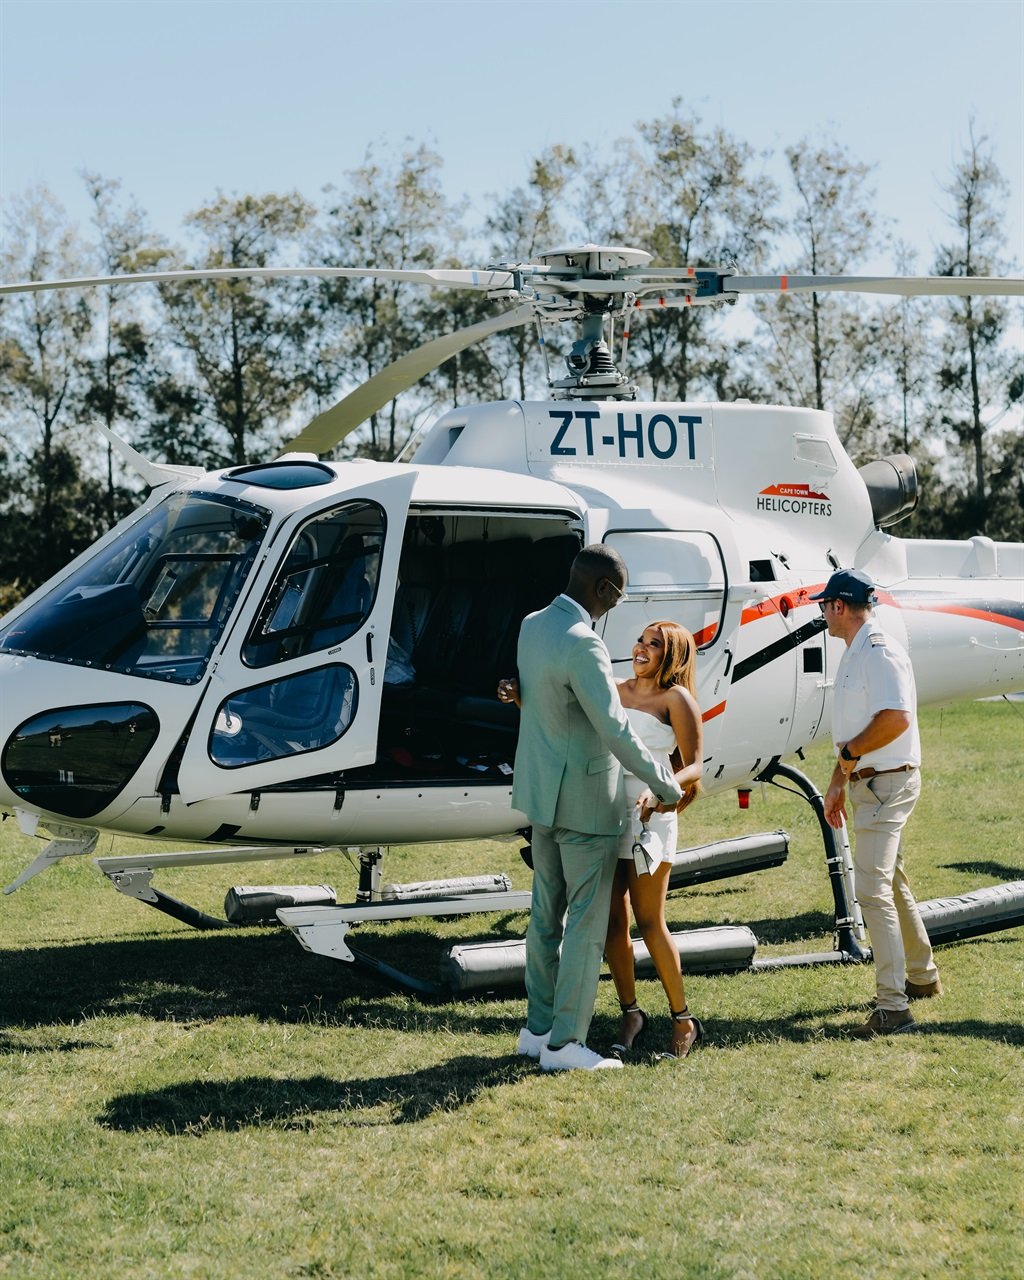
712 712
958 610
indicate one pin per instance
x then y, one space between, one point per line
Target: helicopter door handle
728 663
369 647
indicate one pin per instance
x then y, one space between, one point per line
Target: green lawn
226 1105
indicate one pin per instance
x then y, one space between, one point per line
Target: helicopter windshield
153 602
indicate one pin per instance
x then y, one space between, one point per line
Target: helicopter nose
72 760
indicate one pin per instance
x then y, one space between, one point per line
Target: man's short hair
599 561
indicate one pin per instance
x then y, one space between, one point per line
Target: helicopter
285 657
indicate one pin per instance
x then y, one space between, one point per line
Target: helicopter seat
419 581
550 562
299 713
438 596
543 568
436 654
497 610
351 592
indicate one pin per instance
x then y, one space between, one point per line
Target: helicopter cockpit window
155 600
325 589
286 717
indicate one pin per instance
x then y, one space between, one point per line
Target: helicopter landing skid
132 875
323 930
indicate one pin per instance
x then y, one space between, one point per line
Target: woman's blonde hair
679 661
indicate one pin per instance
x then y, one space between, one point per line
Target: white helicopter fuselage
193 676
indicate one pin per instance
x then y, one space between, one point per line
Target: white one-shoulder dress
659 838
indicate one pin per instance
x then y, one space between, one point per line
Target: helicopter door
296 688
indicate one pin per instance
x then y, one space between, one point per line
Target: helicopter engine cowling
892 487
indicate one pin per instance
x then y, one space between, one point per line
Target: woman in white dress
660 701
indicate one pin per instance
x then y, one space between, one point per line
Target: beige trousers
899 942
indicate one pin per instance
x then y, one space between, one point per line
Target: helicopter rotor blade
334 424
488 281
905 286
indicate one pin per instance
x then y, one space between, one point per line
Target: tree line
216 372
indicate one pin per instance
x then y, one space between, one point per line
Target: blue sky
180 99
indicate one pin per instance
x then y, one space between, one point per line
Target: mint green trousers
572 887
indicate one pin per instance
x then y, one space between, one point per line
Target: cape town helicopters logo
794 499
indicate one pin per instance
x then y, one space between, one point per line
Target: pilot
874 727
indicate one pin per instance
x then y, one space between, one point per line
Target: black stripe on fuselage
778 648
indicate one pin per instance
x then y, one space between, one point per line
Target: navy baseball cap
848 584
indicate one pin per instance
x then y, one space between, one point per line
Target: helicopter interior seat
419 709
492 636
538 573
456 657
419 581
351 594
301 712
439 649
494 617
420 574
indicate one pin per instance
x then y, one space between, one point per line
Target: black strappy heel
684 1015
624 1051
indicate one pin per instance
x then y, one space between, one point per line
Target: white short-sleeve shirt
874 674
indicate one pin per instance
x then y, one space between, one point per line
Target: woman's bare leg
647 895
618 951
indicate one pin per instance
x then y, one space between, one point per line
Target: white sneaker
576 1057
530 1045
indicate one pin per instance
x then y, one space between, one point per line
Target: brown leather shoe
924 990
884 1022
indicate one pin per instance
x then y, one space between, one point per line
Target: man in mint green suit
573 735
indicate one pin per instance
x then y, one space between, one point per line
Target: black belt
861 774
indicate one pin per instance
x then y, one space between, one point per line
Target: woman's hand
508 691
649 803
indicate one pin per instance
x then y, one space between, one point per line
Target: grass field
225 1105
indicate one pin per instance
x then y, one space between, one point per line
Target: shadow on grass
814 1026
982 867
10 1045
969 1028
198 977
262 973
201 1107
774 930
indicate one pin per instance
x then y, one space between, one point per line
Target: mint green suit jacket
573 732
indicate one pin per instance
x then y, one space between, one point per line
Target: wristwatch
845 754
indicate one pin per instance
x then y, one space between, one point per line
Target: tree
978 378
907 352
393 217
242 345
691 197
118 373
824 347
520 226
48 506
